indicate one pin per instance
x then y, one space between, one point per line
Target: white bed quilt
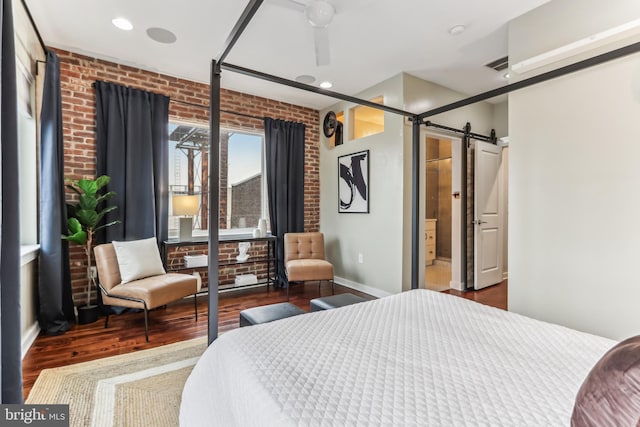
419 358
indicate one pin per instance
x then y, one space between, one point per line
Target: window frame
264 208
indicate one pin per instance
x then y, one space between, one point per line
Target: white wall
501 119
383 236
378 234
574 166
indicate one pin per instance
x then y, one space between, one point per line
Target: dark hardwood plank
495 296
176 322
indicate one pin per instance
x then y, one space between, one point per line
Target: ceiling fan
319 14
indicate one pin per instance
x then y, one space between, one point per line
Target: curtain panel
284 146
10 339
55 309
132 139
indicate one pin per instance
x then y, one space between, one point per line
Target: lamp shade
185 205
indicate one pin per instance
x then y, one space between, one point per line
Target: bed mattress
419 358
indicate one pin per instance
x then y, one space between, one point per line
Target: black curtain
55 313
10 341
132 139
284 145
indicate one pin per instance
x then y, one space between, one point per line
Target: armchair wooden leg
333 292
319 285
106 321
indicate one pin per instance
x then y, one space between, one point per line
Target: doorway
438 213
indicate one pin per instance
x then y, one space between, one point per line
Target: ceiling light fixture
506 75
457 29
326 85
122 23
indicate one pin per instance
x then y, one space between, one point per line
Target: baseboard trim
378 293
29 338
505 275
459 286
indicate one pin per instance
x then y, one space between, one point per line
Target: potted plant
83 222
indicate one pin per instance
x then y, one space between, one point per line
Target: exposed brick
78 72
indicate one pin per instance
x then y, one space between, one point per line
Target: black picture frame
353 182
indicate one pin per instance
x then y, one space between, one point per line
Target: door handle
479 222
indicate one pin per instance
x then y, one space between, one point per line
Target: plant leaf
101 181
106 225
105 211
73 187
87 202
76 233
106 196
88 186
88 218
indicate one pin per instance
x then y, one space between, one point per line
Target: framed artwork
353 183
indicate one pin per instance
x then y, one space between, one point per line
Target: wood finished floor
175 323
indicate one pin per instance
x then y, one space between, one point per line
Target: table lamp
185 206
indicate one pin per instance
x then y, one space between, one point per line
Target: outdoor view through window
242 187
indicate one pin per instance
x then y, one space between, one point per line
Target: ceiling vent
499 64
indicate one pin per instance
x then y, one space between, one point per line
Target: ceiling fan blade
290 4
321 41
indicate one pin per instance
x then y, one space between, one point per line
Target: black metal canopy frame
217 65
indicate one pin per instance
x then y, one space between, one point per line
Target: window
366 120
28 155
243 199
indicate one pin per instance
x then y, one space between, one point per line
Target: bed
414 359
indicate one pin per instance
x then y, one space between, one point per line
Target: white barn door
488 219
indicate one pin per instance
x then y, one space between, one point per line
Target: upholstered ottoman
268 313
334 301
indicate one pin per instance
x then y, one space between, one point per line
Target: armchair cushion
138 259
156 290
309 269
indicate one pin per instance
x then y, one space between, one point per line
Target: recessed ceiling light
122 23
506 75
457 29
306 79
326 85
161 35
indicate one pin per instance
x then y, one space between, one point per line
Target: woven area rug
136 389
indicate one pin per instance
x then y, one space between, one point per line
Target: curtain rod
191 104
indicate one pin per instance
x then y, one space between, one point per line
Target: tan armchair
304 259
147 293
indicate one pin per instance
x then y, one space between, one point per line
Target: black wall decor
353 183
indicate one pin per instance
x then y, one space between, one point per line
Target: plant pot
88 314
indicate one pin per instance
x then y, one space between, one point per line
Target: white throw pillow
138 259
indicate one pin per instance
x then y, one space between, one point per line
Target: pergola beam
250 10
314 89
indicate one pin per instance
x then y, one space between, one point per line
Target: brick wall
245 202
229 267
78 72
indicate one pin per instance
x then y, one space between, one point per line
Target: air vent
499 64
